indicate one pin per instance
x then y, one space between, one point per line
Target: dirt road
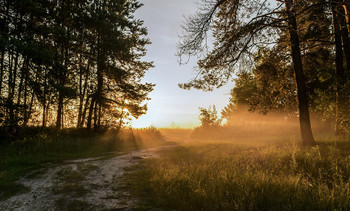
86 184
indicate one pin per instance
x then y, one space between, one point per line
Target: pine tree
70 63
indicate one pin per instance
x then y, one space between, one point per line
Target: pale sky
171 104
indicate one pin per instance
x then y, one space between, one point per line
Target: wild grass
68 181
68 185
38 149
232 175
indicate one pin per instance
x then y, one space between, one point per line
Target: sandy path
101 182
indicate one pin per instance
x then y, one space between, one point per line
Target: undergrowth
37 149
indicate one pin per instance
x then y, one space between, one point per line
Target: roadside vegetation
39 149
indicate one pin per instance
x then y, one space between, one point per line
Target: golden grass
260 174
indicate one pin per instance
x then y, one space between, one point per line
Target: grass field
261 174
249 171
42 148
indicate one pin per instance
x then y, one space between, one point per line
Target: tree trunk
44 99
30 109
80 109
99 93
44 116
2 69
59 111
84 112
344 36
81 95
62 81
91 109
4 31
339 64
304 116
346 7
83 90
20 89
99 117
95 115
25 120
47 112
11 89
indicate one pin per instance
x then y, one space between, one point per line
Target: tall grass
238 176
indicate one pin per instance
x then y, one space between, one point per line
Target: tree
269 86
303 104
71 63
118 45
239 29
342 48
209 117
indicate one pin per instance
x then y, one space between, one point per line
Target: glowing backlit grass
238 176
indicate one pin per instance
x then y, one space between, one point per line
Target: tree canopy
287 55
71 63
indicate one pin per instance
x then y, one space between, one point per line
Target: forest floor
84 184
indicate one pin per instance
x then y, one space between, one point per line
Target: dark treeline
71 63
290 55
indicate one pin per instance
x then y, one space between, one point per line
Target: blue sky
170 104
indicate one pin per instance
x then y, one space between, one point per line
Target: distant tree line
291 55
71 63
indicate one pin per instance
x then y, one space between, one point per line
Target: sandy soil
101 183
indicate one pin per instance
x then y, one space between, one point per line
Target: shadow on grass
42 148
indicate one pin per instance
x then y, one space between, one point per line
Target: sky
169 104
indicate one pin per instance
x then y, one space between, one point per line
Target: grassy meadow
42 148
237 167
263 173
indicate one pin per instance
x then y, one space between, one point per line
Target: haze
170 105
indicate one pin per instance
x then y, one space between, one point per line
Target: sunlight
161 121
174 105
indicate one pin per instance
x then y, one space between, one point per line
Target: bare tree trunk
304 116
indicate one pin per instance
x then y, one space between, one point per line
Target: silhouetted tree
70 63
241 29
